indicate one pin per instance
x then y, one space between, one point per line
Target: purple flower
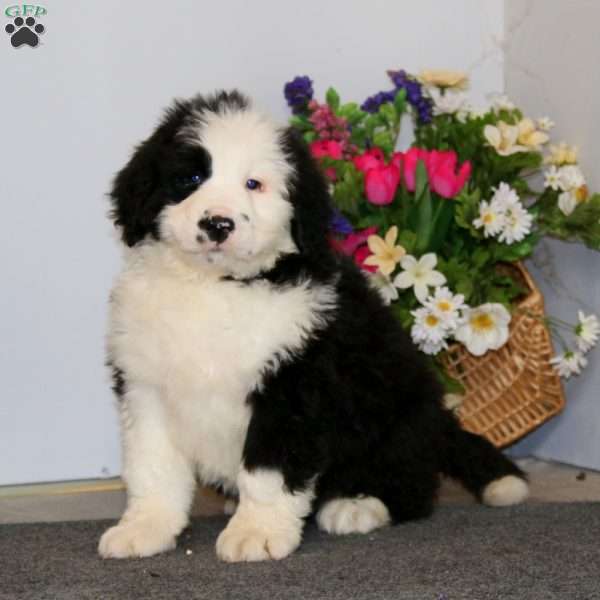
424 111
414 94
398 78
339 223
372 103
298 93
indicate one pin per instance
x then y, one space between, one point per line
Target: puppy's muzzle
216 227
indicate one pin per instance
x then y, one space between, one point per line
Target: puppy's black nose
217 228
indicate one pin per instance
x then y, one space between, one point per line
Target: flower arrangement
436 226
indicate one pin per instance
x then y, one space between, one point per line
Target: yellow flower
444 78
562 154
504 138
530 136
386 254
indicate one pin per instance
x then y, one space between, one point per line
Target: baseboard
83 486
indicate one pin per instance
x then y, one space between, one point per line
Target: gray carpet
536 551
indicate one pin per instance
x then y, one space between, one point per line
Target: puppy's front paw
136 538
240 542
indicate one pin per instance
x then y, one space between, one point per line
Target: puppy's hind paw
353 515
505 491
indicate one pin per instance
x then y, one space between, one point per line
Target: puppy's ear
133 196
136 195
308 193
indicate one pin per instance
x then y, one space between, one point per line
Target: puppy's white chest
204 345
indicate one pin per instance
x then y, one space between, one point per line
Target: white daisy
567 202
484 328
419 274
428 327
448 102
447 306
587 331
517 224
505 196
432 348
491 218
553 179
569 363
545 123
383 285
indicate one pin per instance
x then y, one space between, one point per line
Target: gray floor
529 552
550 482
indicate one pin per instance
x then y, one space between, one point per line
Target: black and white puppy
248 355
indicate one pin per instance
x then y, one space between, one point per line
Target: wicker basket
513 390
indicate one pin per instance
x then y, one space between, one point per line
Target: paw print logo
24 32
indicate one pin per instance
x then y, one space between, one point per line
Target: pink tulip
381 184
398 160
328 148
370 159
411 158
441 171
443 178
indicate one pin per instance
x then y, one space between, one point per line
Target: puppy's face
223 185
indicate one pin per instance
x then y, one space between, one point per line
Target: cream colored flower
386 254
503 138
419 274
571 181
485 328
444 78
562 154
529 135
571 178
567 203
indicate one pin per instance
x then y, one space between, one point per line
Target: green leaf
451 385
424 222
400 101
513 252
481 256
388 114
421 179
408 240
384 140
309 137
333 99
300 123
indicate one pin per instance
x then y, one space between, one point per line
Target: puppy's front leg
160 481
268 521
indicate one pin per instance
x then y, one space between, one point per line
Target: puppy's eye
187 183
253 184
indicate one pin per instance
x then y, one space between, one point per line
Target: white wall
552 52
72 110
